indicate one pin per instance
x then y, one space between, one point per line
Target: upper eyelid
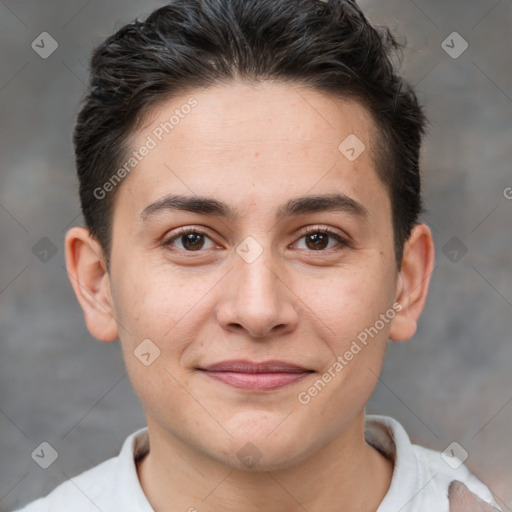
183 230
320 228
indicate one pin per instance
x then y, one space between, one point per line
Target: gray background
452 382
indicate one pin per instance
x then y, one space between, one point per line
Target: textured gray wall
452 382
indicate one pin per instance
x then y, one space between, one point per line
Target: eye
320 239
190 240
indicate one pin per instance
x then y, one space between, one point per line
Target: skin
254 147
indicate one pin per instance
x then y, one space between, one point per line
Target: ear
89 277
413 281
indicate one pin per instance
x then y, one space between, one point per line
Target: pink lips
253 376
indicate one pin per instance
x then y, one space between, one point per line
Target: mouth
256 376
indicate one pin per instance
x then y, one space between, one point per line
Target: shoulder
448 466
81 491
421 476
451 479
110 486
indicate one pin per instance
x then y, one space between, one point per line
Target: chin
264 453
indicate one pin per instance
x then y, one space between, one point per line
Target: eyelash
308 231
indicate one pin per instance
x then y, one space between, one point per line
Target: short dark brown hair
328 45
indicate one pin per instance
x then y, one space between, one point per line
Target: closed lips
251 376
253 367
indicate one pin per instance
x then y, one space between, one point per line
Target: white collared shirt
419 484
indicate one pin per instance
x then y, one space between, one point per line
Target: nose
256 301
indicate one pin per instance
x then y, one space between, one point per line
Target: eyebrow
297 206
330 202
193 204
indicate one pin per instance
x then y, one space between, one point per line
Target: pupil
193 241
319 241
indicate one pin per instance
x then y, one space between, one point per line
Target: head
279 138
195 44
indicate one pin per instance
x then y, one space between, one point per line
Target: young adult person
249 178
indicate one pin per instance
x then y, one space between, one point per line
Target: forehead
253 142
251 113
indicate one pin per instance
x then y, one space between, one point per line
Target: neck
346 473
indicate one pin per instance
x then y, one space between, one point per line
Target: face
247 233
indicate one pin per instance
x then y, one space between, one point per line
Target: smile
251 376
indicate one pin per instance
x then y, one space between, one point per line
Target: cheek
351 307
169 308
145 293
348 302
154 311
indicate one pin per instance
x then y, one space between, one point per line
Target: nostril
236 326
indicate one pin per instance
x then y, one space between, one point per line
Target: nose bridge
257 285
256 301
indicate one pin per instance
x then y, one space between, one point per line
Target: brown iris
317 241
193 241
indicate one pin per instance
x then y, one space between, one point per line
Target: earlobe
413 282
91 282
